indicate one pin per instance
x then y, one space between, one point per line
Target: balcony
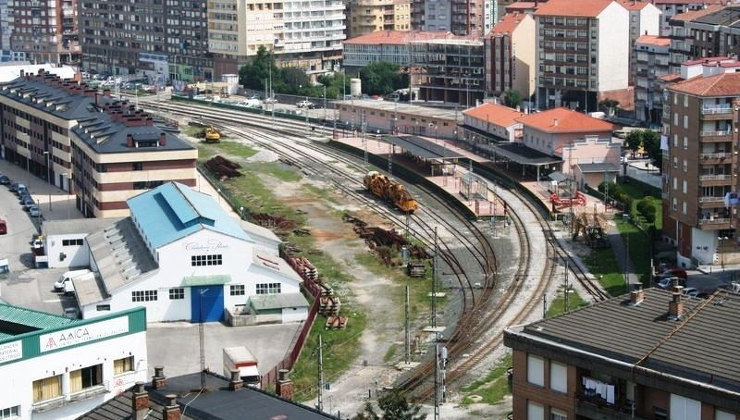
724 110
595 409
714 223
715 180
710 202
715 136
716 158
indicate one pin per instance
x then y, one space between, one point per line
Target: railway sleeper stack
336 322
329 305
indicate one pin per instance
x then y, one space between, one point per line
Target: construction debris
223 168
594 229
272 222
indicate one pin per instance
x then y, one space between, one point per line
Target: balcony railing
715 177
721 155
715 221
716 110
715 133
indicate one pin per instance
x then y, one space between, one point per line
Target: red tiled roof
633 5
705 60
521 5
507 24
693 14
680 2
724 84
396 37
564 120
661 41
670 78
580 8
494 113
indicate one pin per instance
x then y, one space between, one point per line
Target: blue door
207 303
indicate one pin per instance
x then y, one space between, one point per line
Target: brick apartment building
650 355
60 131
461 17
682 37
700 164
510 52
651 63
44 30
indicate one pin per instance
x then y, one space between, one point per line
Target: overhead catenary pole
565 290
320 382
407 341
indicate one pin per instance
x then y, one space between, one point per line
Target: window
84 378
123 365
535 370
201 260
675 118
10 412
236 290
674 204
268 288
72 242
137 166
535 411
685 208
558 377
177 293
718 415
47 388
675 183
675 140
685 166
143 295
683 408
685 143
685 187
685 101
556 414
102 307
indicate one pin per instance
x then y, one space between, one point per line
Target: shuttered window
47 388
123 365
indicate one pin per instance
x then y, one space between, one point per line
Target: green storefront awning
190 281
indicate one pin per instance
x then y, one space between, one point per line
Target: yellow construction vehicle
391 191
211 135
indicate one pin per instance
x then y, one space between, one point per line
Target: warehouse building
183 257
57 368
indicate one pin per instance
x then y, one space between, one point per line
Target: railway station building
183 258
383 117
652 354
56 368
99 148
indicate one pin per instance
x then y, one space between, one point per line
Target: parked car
27 202
271 101
665 283
34 211
13 187
305 104
60 284
4 180
71 313
3 227
21 189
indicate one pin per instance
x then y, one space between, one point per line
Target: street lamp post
48 175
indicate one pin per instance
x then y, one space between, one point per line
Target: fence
313 289
650 177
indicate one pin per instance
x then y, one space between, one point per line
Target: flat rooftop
422 147
405 108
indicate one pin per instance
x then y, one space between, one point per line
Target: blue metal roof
173 211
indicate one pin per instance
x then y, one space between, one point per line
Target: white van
65 280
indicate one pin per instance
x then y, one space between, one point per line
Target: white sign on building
83 334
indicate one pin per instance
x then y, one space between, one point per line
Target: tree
254 74
336 84
512 98
394 406
609 106
634 141
382 78
651 144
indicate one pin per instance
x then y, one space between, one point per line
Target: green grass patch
277 170
638 243
557 306
493 387
227 149
390 353
602 264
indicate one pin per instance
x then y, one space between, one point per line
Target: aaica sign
83 334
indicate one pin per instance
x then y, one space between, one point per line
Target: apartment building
651 63
448 70
716 33
644 20
510 56
4 31
671 8
164 40
390 46
700 165
44 30
365 16
583 52
461 17
101 149
651 355
682 37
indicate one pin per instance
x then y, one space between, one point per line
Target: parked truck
241 359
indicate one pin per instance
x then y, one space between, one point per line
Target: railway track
478 319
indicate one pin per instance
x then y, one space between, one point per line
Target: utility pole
363 125
565 291
435 272
320 396
390 159
407 343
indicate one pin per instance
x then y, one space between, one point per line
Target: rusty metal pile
328 304
383 241
223 168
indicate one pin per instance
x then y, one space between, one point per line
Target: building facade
716 33
644 20
390 46
639 367
448 70
700 165
162 40
671 8
461 17
365 16
58 368
45 30
493 122
582 52
651 62
184 258
510 54
682 37
101 149
399 118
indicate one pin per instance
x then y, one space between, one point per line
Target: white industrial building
184 258
57 368
64 240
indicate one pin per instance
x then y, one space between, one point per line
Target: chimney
284 386
162 139
235 383
106 92
130 143
140 402
637 295
97 98
159 381
171 411
554 122
23 74
675 306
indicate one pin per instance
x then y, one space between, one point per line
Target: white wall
649 20
613 54
703 245
295 314
16 385
75 256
